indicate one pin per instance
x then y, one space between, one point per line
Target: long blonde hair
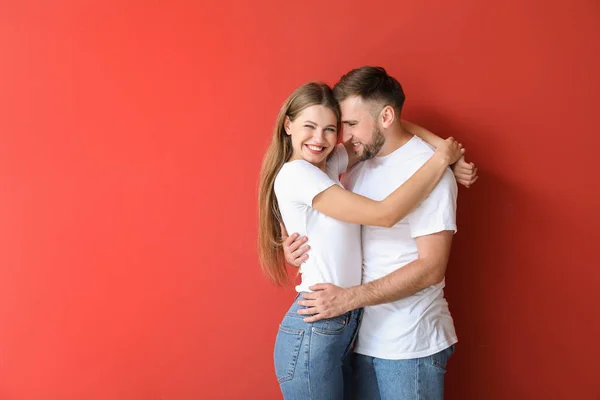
280 151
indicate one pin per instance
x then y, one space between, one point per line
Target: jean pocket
440 360
287 351
331 326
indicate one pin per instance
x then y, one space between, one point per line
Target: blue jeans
309 356
413 379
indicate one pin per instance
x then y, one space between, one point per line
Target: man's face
360 128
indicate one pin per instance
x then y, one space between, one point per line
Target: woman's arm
423 133
344 205
465 173
415 129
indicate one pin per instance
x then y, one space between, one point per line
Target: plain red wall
131 135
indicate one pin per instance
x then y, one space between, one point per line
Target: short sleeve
338 161
437 212
300 181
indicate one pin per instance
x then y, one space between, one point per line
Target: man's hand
327 301
465 173
294 254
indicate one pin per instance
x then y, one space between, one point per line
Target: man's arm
428 269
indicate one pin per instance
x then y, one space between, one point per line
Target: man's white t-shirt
335 250
419 325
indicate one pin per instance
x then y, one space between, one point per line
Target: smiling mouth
315 149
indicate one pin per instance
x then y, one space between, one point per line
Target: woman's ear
287 122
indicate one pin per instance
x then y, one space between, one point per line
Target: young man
407 333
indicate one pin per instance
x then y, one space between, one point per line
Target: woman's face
314 134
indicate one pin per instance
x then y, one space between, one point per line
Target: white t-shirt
419 325
335 250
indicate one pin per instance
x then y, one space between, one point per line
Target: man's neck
395 137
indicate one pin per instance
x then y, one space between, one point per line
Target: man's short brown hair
371 84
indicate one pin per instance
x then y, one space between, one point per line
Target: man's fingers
310 307
467 182
298 261
465 173
309 295
463 176
474 177
319 286
289 240
308 311
297 253
463 168
314 318
297 243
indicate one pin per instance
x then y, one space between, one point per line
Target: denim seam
295 315
291 371
418 381
353 336
308 362
330 332
290 330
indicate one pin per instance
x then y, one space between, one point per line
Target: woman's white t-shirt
335 248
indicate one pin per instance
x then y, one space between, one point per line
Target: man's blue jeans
413 379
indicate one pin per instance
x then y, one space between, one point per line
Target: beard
372 149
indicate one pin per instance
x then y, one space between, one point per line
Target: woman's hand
450 151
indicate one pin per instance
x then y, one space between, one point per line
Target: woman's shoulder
297 173
298 167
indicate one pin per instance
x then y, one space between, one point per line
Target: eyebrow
348 121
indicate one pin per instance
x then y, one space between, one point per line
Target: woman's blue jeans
309 357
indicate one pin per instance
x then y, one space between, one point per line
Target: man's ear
287 122
388 116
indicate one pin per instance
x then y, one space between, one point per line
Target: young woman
300 188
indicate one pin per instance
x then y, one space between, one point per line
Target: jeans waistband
293 310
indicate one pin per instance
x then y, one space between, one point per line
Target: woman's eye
309 126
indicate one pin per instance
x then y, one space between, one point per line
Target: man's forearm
403 282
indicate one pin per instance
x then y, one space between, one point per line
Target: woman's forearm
423 133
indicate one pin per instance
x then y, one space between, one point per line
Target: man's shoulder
417 155
405 163
417 151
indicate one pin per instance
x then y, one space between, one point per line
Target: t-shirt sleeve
338 161
437 212
300 181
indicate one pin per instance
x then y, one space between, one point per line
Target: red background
131 135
